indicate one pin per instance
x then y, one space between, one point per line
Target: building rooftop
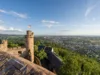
54 60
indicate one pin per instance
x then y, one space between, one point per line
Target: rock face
14 65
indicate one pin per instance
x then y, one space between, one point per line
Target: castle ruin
30 44
4 45
27 52
13 56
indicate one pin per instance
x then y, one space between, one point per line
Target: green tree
41 54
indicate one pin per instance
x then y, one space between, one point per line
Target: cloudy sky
50 17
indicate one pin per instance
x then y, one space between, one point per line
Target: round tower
30 44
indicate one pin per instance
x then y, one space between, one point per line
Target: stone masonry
30 44
3 45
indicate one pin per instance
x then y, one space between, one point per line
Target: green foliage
11 45
37 43
75 64
35 48
16 41
40 54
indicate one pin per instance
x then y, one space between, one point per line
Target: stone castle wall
14 51
17 50
3 45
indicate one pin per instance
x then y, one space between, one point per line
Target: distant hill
6 36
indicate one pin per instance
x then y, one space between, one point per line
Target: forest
73 62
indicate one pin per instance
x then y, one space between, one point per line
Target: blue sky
50 17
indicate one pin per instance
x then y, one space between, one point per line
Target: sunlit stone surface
13 65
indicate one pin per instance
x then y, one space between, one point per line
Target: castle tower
30 44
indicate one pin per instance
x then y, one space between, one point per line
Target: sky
50 17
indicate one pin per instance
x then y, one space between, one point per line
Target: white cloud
9 30
14 29
13 13
18 14
3 28
49 24
89 10
2 11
